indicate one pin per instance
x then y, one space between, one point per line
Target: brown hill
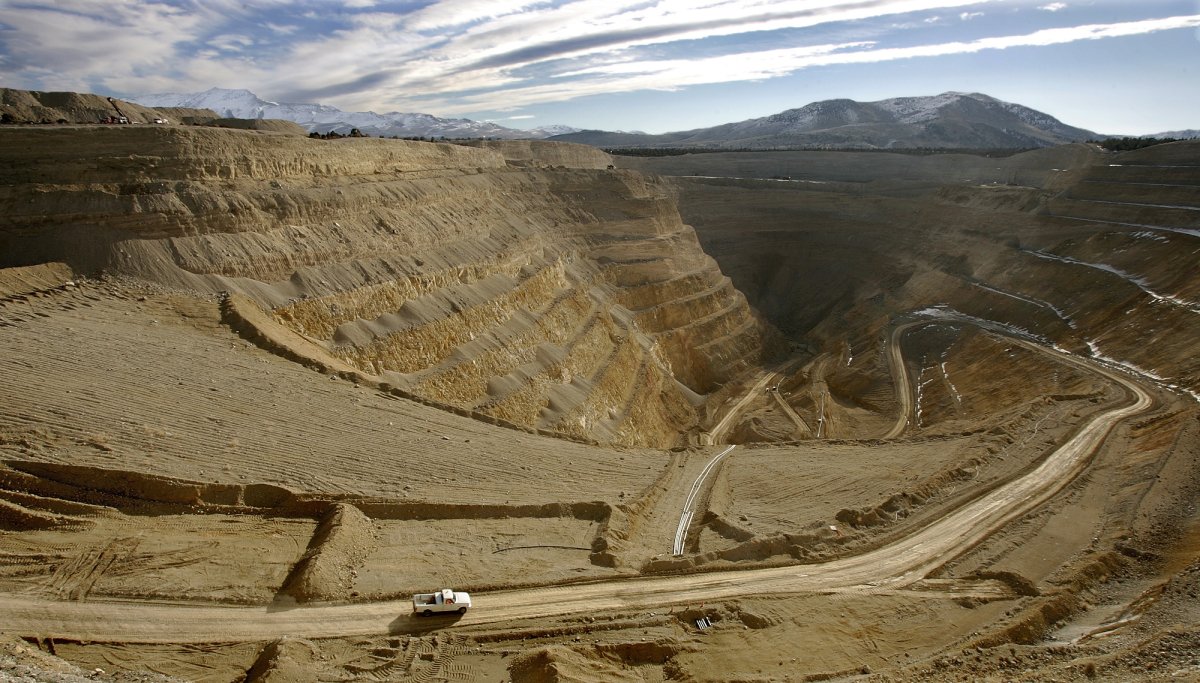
25 106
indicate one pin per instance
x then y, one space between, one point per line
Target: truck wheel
428 613
462 610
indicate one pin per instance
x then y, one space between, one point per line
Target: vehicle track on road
772 377
904 392
689 505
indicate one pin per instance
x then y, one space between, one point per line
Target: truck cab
445 600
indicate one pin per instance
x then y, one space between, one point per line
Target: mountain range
951 120
948 120
322 118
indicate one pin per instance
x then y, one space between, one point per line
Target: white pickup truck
445 600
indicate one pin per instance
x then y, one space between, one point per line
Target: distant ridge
1177 134
949 120
321 118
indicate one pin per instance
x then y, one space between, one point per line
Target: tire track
689 503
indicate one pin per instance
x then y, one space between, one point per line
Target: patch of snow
1032 117
1028 299
1133 369
919 109
953 389
1147 235
1164 228
945 312
1139 282
920 393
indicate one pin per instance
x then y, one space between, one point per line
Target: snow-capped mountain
948 120
321 118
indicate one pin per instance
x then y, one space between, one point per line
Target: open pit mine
784 416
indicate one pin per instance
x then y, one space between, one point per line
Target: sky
648 65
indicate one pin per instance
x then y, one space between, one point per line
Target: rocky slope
525 282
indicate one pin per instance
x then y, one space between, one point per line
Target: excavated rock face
1091 251
524 281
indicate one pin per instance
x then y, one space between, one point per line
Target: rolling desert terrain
765 416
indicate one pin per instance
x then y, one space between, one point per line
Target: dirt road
771 378
689 505
900 378
786 408
892 567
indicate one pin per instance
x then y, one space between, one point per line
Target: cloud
318 94
231 43
582 28
759 65
449 13
72 43
462 56
486 44
520 117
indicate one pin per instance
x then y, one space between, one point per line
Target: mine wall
527 281
1091 251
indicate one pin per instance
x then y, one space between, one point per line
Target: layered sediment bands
526 281
1091 251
